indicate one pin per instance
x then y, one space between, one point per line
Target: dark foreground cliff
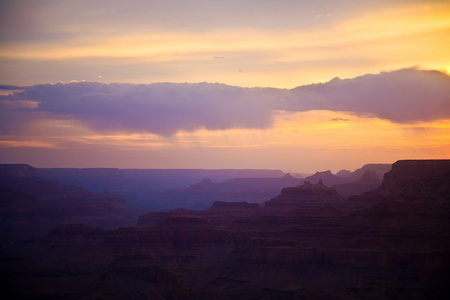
391 243
31 206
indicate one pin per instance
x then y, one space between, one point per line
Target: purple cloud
339 120
161 108
403 96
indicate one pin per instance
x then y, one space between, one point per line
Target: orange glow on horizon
27 144
297 47
251 57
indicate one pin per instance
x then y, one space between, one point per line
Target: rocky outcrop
219 214
416 182
306 196
396 248
17 171
206 185
326 177
368 181
225 213
379 169
344 173
147 185
345 176
31 206
253 190
393 250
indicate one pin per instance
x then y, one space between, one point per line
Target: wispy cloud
31 144
175 41
339 119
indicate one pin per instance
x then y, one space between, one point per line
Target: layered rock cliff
417 181
345 176
219 214
32 206
306 196
17 171
413 182
253 190
368 181
396 248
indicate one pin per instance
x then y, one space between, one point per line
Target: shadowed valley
376 233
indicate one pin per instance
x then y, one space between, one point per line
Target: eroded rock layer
307 243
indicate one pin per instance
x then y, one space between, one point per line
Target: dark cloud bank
403 96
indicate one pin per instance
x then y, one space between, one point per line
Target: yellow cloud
385 39
28 144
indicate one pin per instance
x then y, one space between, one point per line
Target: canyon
376 239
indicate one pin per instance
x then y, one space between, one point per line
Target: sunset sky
300 86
